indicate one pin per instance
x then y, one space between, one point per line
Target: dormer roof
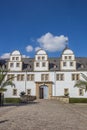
67 51
41 52
16 52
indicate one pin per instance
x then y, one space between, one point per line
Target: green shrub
12 100
77 100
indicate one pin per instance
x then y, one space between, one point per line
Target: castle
45 77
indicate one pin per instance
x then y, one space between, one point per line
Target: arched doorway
43 92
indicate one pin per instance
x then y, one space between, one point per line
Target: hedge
77 100
12 100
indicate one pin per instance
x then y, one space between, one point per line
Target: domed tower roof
16 52
67 51
41 52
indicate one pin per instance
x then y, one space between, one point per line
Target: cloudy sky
28 25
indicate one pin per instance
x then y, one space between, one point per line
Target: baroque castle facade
45 77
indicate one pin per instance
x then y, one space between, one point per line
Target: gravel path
44 115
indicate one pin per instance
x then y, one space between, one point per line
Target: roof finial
66 46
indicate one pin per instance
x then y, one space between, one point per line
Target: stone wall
61 99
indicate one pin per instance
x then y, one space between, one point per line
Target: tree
82 83
3 83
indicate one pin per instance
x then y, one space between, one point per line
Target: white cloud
52 43
29 48
24 56
5 56
37 48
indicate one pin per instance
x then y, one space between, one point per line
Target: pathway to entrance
44 115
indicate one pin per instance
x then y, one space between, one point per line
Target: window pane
64 63
14 92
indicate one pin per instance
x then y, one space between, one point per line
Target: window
30 77
28 91
43 57
64 63
20 77
66 91
81 92
45 77
43 64
10 77
17 64
17 58
65 57
13 58
37 64
38 57
60 77
70 57
11 64
14 92
75 76
71 63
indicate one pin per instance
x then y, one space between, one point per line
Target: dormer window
43 57
37 64
71 63
17 64
38 57
13 58
17 58
43 64
70 57
64 63
65 57
11 64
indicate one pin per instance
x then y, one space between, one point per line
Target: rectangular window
13 58
45 77
10 77
17 58
30 77
65 57
70 57
81 92
64 63
11 65
17 64
28 91
20 77
42 77
71 63
37 64
60 77
14 92
75 76
38 57
43 58
43 64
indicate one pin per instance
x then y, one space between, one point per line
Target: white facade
59 80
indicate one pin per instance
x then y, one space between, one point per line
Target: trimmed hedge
12 100
77 100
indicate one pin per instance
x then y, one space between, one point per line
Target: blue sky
27 25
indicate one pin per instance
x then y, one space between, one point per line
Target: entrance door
43 92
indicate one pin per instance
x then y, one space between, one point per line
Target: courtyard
44 115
